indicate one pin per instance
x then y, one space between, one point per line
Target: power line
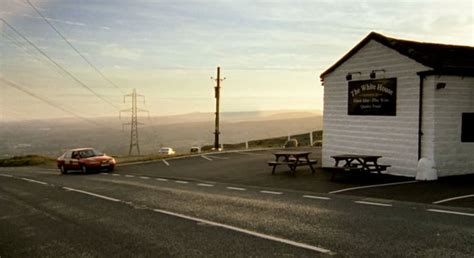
74 48
45 100
59 66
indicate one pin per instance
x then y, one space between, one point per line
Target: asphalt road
164 210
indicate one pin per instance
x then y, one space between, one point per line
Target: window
467 131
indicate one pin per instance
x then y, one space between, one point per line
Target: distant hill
51 137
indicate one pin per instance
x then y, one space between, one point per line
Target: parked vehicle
85 160
166 151
195 149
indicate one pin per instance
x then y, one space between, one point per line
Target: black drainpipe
420 114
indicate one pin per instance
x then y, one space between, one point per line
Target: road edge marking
33 181
236 188
248 232
271 192
372 186
374 203
454 198
92 194
451 212
166 163
205 157
316 197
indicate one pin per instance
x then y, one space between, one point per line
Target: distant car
195 149
85 160
166 151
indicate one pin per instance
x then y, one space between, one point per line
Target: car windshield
90 153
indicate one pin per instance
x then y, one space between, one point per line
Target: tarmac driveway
251 169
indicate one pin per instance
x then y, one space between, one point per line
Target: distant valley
51 137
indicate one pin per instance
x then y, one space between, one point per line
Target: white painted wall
393 137
452 157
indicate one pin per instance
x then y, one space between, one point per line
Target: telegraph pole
217 96
134 122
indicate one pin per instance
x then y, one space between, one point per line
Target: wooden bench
291 163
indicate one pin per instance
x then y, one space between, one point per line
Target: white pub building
410 102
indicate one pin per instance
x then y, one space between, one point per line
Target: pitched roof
444 59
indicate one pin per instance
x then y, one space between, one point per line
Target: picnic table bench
292 159
356 163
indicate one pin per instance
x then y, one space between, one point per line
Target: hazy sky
271 52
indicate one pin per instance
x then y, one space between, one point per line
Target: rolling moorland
52 137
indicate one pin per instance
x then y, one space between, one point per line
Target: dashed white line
248 232
181 182
316 197
166 163
92 194
236 188
105 173
271 192
115 174
205 157
205 185
452 212
129 176
33 181
6 175
371 186
161 179
454 198
144 177
374 203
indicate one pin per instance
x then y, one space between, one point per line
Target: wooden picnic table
292 159
356 162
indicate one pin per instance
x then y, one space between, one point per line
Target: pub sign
373 97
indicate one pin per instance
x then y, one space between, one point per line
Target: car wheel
110 169
63 169
84 169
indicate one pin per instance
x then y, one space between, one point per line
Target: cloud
117 51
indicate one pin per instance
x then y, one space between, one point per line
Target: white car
166 151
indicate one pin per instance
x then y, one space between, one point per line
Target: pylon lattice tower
134 143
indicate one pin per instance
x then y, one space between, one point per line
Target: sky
271 52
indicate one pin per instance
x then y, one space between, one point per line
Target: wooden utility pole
217 96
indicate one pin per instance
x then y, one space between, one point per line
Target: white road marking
371 186
181 182
248 232
216 224
161 179
33 181
205 185
452 212
316 197
454 198
166 163
205 157
236 188
144 177
92 194
129 176
374 203
115 174
105 173
271 192
6 175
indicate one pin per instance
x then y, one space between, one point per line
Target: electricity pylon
134 123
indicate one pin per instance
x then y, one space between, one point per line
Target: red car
85 159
